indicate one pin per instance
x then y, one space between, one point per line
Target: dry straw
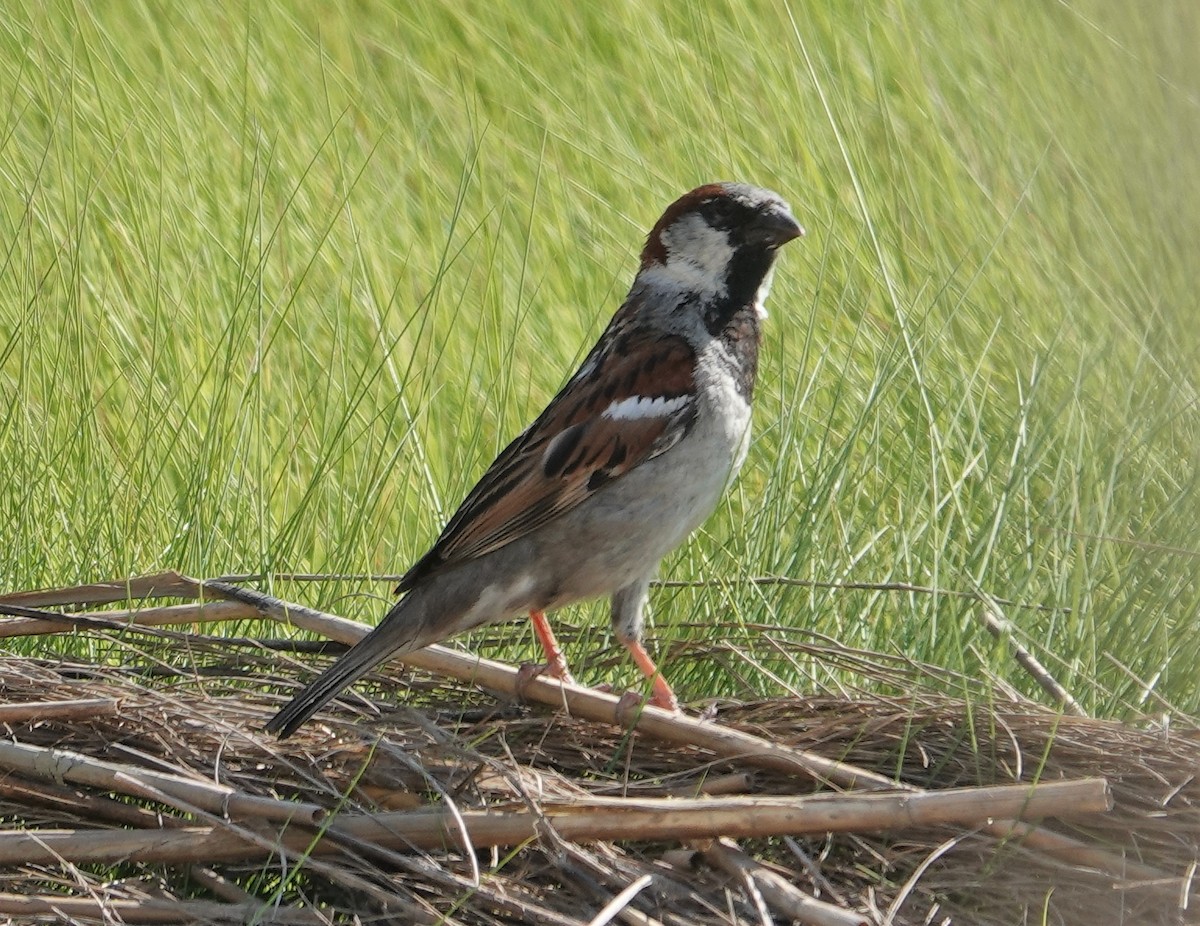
141 788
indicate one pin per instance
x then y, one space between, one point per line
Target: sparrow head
706 229
719 243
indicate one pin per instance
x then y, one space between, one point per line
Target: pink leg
556 662
663 696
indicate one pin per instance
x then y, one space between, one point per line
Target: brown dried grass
194 706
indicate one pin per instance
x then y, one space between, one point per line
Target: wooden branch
598 819
780 894
519 904
588 820
219 885
575 699
266 842
679 729
58 710
63 765
1073 852
152 911
662 725
93 807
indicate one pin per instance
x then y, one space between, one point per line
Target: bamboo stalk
93 807
58 710
590 820
577 700
62 765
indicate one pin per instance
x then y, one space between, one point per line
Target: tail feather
393 637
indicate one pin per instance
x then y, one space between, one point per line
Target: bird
627 460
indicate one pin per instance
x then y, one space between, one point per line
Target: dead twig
33 622
92 806
586 820
57 710
679 729
779 893
61 765
619 904
1001 629
168 584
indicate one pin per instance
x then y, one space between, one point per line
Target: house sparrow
625 462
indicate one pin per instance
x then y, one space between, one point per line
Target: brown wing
631 400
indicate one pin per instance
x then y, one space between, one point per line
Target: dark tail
397 633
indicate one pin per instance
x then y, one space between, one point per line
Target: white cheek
698 257
697 242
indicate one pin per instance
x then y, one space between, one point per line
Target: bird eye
720 209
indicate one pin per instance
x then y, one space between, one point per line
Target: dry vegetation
165 803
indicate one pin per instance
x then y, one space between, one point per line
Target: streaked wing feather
573 449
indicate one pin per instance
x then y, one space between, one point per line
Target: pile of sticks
168 815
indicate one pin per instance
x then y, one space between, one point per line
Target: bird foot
663 697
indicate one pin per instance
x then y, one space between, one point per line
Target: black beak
776 228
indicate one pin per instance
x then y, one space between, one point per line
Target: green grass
276 284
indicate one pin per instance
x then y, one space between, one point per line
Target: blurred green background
279 279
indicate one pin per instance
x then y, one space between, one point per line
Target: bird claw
663 697
631 704
629 708
528 672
